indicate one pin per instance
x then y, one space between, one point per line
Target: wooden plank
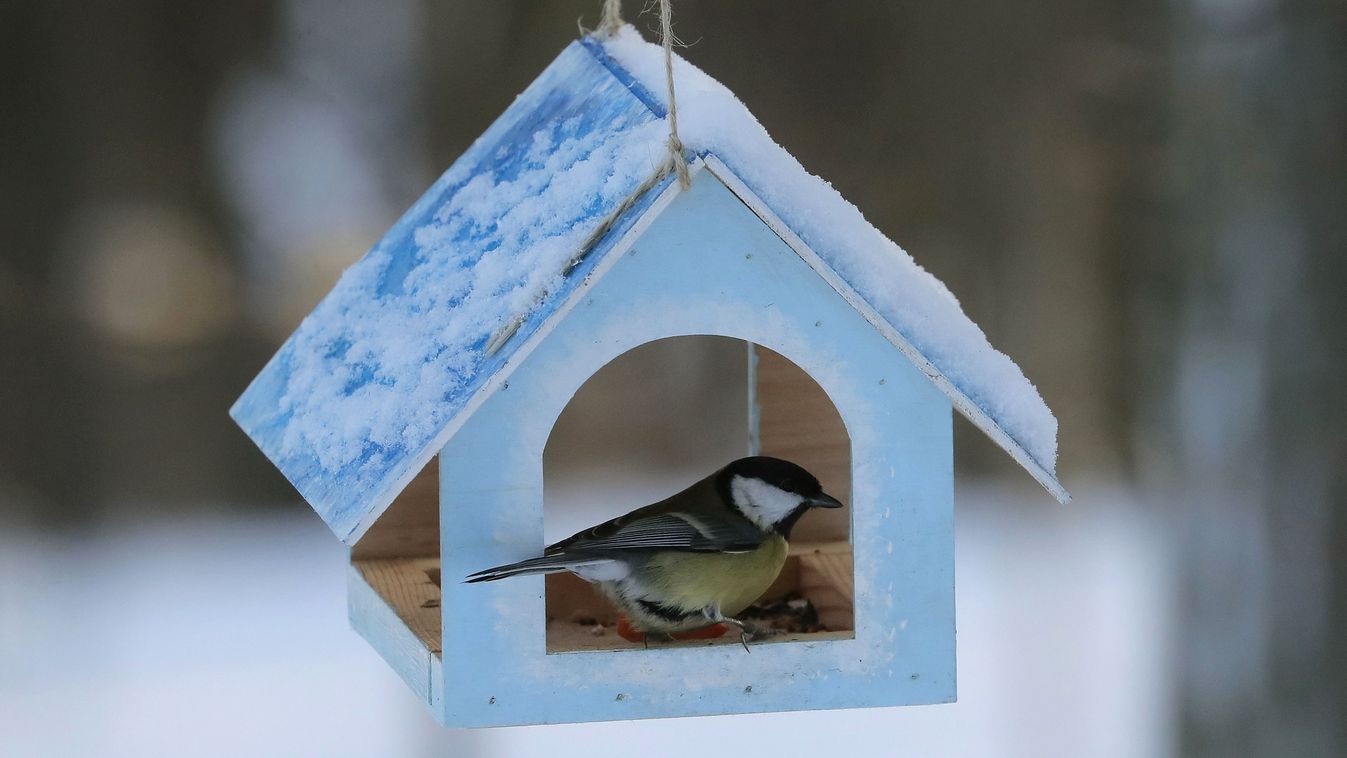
827 580
374 618
410 586
832 547
798 422
410 528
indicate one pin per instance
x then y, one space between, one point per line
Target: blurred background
1143 203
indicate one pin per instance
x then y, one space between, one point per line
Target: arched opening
662 416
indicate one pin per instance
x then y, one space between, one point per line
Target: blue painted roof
353 398
351 405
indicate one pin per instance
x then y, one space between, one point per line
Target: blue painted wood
372 618
706 265
375 379
342 409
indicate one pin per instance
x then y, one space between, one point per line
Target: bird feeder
413 407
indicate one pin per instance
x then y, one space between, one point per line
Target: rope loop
680 161
612 18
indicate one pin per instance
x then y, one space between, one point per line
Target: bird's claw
746 632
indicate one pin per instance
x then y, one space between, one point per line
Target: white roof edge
619 249
966 407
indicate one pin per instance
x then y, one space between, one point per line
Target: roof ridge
647 98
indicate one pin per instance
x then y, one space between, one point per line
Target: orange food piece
631 634
627 632
705 633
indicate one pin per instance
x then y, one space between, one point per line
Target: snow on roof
712 120
354 402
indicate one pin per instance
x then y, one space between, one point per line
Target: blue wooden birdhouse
414 407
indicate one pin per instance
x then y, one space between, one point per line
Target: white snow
384 363
711 119
368 373
146 638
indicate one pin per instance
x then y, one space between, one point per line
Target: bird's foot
746 632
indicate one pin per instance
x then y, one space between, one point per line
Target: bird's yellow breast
730 580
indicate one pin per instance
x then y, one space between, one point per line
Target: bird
694 559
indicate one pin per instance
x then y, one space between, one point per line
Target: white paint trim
385 498
966 407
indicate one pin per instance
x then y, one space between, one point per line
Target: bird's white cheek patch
762 503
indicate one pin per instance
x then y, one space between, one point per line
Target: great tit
696 558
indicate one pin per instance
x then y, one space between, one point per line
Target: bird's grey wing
670 530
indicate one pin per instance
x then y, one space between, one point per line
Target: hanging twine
680 163
612 18
609 26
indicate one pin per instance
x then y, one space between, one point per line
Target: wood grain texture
374 618
826 579
410 586
410 528
797 422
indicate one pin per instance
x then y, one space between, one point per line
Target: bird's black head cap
782 475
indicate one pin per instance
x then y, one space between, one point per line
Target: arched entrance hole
666 414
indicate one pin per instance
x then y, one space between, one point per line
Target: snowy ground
228 637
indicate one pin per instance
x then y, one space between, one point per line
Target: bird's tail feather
546 564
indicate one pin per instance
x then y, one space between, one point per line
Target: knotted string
609 26
612 18
680 162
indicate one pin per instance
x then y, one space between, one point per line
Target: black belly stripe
665 612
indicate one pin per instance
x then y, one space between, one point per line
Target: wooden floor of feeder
411 587
821 572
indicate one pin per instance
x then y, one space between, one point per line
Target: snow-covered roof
364 392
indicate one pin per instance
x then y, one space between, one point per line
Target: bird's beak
824 500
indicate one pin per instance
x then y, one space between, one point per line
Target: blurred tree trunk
1256 237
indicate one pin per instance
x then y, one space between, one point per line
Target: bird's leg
712 612
744 632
